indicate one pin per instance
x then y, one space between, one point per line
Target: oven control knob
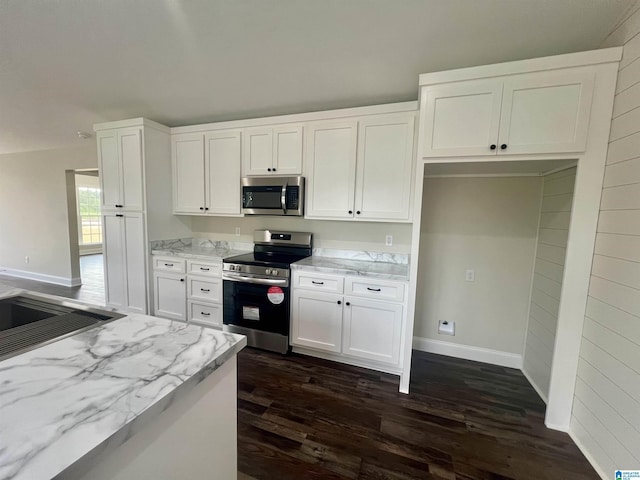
274 272
238 268
232 267
267 271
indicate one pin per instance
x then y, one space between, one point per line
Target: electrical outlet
388 240
237 231
470 276
26 259
446 328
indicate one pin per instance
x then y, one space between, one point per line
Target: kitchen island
138 397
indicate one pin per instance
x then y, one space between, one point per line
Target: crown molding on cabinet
131 122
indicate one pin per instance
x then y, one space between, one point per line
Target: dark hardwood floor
306 418
91 290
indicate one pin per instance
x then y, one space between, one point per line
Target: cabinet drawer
381 290
210 269
318 282
169 264
209 290
205 314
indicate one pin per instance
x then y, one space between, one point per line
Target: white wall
606 410
368 236
555 216
34 220
489 225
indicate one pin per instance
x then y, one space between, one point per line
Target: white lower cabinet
363 327
188 290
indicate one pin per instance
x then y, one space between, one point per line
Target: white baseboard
41 277
535 386
589 457
468 352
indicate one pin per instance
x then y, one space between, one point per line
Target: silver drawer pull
373 289
205 314
168 264
204 269
205 290
317 283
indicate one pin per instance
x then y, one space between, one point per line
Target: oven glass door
261 307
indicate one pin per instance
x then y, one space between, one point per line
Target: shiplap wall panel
555 216
623 173
606 411
625 222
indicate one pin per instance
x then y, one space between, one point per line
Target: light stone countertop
91 391
343 266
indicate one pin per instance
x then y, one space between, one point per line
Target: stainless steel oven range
256 288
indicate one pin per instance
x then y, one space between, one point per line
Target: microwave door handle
283 198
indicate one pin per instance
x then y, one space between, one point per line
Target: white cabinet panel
330 166
205 314
546 112
257 157
170 295
130 142
462 118
316 320
372 330
188 173
109 166
115 260
385 162
287 150
223 158
136 266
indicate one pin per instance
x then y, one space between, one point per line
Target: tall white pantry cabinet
134 159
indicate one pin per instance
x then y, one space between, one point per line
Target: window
90 226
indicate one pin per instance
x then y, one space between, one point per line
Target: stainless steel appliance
273 196
256 288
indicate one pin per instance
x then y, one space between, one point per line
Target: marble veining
94 390
342 266
200 248
385 257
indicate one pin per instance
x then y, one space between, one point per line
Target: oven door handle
258 281
283 197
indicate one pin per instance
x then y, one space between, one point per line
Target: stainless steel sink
29 321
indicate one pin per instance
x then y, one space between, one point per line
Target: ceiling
67 64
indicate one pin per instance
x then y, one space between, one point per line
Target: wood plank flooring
307 418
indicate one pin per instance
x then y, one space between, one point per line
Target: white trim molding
468 352
604 475
41 277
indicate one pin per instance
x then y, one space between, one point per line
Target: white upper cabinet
361 170
542 112
120 163
384 166
206 172
273 150
222 154
330 167
188 173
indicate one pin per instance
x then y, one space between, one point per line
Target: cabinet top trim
403 107
579 59
131 122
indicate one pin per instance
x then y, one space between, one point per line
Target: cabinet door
461 118
316 320
546 112
222 154
109 166
257 155
136 264
114 260
330 168
188 173
385 164
130 145
372 330
287 150
170 295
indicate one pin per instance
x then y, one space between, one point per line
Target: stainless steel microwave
273 195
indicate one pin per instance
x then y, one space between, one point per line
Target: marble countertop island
93 390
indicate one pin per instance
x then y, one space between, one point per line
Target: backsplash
397 258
